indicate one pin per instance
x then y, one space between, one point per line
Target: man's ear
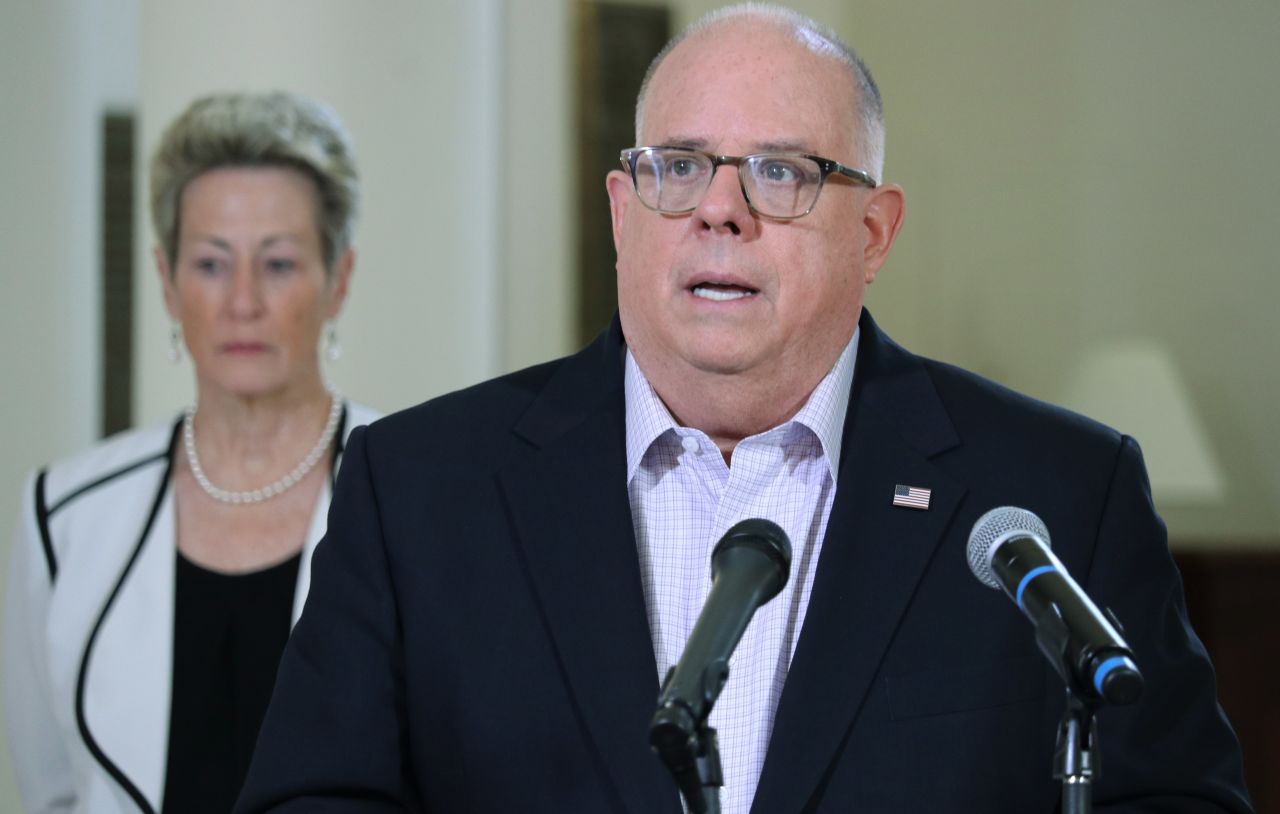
882 220
621 193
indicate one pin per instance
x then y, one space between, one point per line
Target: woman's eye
280 265
208 265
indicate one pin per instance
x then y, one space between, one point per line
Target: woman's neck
253 437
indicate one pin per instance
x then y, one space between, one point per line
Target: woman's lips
244 348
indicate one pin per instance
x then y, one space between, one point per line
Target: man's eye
682 167
780 172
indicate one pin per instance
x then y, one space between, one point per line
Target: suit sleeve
333 739
39 755
1172 751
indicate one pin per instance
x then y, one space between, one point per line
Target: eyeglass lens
782 186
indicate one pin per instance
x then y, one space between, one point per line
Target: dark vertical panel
1231 600
616 42
117 271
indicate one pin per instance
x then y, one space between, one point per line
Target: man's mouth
722 293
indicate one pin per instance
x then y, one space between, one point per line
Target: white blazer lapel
319 522
125 684
355 415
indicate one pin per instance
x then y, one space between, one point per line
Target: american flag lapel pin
911 497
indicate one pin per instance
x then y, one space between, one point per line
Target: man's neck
731 408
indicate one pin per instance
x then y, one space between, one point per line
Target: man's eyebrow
786 146
686 142
781 146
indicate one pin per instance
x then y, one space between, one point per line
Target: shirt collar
823 412
647 417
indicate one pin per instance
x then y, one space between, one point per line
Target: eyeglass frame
826 166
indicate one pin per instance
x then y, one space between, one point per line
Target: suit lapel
873 556
570 508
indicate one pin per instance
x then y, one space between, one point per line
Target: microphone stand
1075 759
691 752
749 566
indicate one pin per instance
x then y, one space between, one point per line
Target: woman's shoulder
110 459
358 414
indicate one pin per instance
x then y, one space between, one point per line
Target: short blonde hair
274 129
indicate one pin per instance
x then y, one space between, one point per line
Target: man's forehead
738 120
745 42
748 81
762 144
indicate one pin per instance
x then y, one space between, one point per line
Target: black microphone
749 566
1009 549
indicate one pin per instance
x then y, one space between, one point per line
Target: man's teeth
721 294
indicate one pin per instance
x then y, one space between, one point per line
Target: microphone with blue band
1009 549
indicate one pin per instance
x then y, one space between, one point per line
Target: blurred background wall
1093 214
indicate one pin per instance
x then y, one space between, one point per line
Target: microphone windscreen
764 537
992 529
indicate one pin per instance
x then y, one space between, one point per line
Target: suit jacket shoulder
489 423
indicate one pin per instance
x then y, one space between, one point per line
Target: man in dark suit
509 569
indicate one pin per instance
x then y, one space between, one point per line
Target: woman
156 576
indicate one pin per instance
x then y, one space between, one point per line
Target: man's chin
729 363
720 352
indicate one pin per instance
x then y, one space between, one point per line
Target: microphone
749 566
1009 549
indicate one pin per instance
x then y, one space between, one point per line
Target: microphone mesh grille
992 529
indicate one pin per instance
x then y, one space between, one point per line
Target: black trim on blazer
340 443
111 768
42 523
110 476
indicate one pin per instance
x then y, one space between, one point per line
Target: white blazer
88 623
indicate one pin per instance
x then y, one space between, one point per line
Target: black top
228 633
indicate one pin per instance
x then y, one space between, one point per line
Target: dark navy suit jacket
475 639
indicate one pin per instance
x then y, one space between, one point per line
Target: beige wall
1085 175
1078 175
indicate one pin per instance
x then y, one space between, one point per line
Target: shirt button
689 443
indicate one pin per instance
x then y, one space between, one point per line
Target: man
511 568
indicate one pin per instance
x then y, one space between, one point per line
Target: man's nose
724 206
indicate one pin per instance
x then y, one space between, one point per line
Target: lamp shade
1135 387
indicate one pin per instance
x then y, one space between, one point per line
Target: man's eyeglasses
673 180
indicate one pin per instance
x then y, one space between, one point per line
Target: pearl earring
332 349
175 343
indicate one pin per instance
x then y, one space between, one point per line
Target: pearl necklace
270 490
